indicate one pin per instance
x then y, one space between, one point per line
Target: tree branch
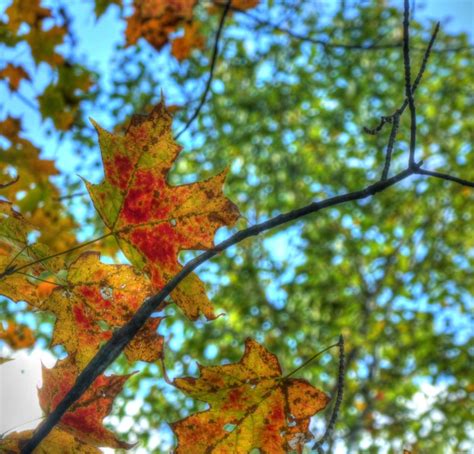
408 87
337 406
112 349
445 176
215 52
334 45
399 112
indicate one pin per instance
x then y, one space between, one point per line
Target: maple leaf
17 335
244 4
154 20
84 418
25 11
252 406
10 128
57 441
15 74
152 220
16 251
60 100
43 44
181 47
96 299
34 194
216 6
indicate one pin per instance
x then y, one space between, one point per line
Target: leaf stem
10 271
310 360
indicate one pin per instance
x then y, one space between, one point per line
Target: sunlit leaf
252 406
84 418
152 220
96 299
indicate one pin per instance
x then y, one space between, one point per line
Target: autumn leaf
252 406
244 4
152 220
154 20
57 441
84 418
10 128
25 11
96 299
181 47
216 6
17 335
43 44
61 100
102 5
34 194
15 252
14 74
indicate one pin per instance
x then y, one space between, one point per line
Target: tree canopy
280 99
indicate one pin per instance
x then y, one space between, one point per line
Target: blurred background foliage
294 85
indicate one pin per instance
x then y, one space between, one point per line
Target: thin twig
445 176
391 143
408 87
70 196
25 100
215 53
339 395
31 276
309 360
5 185
335 45
389 118
12 270
12 261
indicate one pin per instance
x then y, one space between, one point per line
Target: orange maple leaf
95 299
154 20
216 6
84 418
25 11
17 335
15 74
152 220
181 47
252 406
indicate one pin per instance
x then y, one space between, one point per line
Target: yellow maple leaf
252 406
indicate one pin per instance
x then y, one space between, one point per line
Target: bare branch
339 395
391 143
215 52
70 196
334 45
389 119
445 176
408 87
